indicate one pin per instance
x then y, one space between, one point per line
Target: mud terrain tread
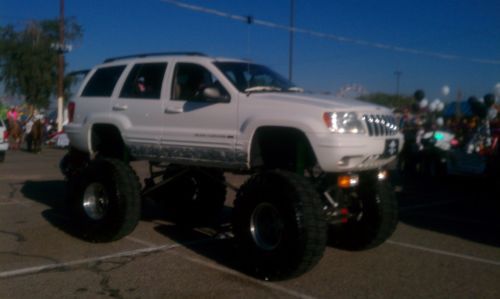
308 234
123 186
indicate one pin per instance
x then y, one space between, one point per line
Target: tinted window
190 81
144 81
103 82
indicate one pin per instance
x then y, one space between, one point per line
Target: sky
466 31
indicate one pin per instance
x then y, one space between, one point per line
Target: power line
329 36
290 47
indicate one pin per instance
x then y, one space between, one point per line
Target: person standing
12 115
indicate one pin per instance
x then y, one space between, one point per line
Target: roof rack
154 54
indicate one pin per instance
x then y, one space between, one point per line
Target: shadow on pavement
459 207
464 207
49 193
212 240
52 194
214 246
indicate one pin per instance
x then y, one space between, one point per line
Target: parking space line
152 249
38 269
24 203
447 253
139 241
268 285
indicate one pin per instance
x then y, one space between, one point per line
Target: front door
199 129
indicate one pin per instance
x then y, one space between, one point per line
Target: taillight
5 135
71 111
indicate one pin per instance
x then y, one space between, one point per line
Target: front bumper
352 153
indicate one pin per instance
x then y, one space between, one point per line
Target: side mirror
213 94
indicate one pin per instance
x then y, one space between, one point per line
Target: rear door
139 101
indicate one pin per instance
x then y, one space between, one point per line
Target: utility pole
398 77
292 32
60 69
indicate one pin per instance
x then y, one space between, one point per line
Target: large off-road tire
194 195
374 210
279 225
104 200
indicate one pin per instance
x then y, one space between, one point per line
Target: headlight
343 122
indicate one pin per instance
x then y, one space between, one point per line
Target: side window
103 82
144 81
190 82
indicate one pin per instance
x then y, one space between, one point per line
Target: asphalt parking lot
447 245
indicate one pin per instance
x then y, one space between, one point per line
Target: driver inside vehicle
141 86
192 80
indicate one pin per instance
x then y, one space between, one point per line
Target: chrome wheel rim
95 201
266 227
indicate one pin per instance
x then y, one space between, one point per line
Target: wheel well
284 148
107 141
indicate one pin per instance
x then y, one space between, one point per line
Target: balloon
492 113
497 90
477 107
423 103
440 121
489 100
445 90
440 106
419 95
433 105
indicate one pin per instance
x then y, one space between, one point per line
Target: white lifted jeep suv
315 162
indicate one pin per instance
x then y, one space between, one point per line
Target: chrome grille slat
380 125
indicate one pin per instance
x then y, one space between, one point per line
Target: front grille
380 125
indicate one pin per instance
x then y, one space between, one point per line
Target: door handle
119 107
174 110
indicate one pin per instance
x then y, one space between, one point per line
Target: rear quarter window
103 82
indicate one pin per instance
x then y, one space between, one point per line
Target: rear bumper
4 146
78 136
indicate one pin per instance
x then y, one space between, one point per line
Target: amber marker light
347 181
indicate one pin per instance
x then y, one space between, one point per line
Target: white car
4 140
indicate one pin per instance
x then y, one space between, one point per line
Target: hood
320 101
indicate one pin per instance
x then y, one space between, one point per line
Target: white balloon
497 90
432 106
492 113
445 90
423 103
440 121
440 106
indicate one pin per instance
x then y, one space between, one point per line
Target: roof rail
154 54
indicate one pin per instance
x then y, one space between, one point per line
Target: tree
28 62
388 100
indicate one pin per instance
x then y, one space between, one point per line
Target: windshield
248 77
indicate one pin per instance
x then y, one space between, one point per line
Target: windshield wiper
261 88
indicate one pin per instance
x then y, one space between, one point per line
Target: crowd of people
29 128
474 131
